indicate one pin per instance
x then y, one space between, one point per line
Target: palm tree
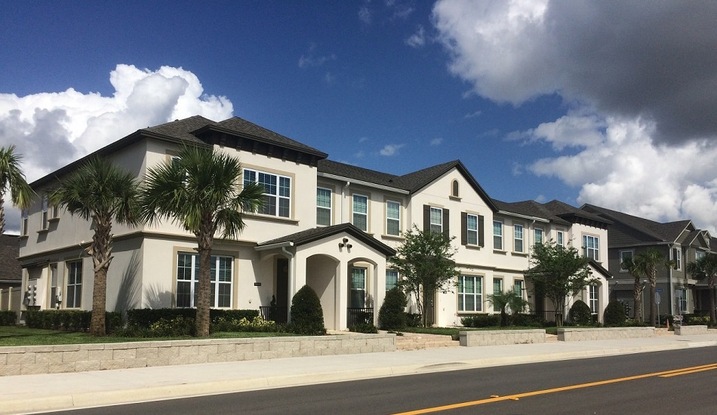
12 179
633 268
647 262
509 299
705 268
202 191
100 192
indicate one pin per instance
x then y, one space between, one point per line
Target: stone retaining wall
687 330
570 334
85 357
500 337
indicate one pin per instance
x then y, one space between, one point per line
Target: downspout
292 281
672 288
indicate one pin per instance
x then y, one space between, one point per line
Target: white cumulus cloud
51 129
390 149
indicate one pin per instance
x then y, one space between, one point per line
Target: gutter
363 183
282 245
526 217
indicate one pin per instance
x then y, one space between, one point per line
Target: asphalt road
675 382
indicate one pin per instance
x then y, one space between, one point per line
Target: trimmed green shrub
69 320
363 328
481 320
8 318
307 316
392 316
231 324
614 314
413 320
580 314
145 317
527 320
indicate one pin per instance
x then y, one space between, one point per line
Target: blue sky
600 102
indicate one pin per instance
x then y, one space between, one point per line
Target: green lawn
23 336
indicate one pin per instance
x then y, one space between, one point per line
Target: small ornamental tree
580 313
307 316
559 271
425 262
392 315
705 269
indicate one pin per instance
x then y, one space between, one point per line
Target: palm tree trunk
204 247
637 298
101 251
2 213
653 305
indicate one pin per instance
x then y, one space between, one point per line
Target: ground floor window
682 300
391 279
358 288
470 293
74 284
222 269
593 298
519 288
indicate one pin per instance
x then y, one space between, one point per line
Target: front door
282 290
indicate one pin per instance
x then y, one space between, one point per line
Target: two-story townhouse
518 226
444 198
678 242
156 266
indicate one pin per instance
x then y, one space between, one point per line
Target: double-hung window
471 229
677 258
593 298
358 288
391 279
45 212
624 256
277 192
222 269
360 212
498 235
74 285
323 206
591 247
518 287
497 285
561 238
538 233
23 223
470 293
518 238
393 218
436 220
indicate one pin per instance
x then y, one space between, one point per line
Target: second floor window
23 223
393 218
591 247
277 192
45 213
518 238
436 220
561 238
360 212
323 206
538 236
472 229
624 255
677 258
497 235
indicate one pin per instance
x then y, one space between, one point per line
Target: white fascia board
363 183
274 246
518 215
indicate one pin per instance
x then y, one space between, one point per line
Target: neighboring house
328 225
10 273
679 242
520 225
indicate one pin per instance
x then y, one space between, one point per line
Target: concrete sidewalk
34 393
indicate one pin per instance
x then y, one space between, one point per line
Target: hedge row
72 320
8 318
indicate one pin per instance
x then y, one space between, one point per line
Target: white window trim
276 195
194 280
470 231
621 258
477 294
537 231
398 219
596 249
501 236
560 238
329 208
354 212
77 303
516 239
431 224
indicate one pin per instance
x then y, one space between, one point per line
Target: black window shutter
481 231
446 230
426 218
464 228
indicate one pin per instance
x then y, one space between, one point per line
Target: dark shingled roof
181 129
555 211
315 234
10 269
411 182
651 230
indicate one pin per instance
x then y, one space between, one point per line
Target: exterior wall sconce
345 243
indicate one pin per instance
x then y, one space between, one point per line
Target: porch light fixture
345 243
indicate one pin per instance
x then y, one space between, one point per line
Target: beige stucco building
326 224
